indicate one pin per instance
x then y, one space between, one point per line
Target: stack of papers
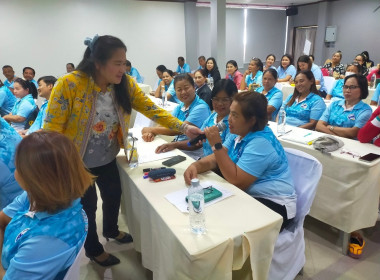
304 137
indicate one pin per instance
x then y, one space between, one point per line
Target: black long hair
313 89
28 85
102 51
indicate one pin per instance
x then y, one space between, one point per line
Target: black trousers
108 182
280 209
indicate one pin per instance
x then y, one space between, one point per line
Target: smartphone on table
174 160
369 157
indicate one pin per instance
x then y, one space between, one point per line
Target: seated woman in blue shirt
133 72
212 70
45 226
304 107
7 101
167 80
24 106
252 78
253 159
269 61
159 70
345 117
286 70
273 94
337 91
192 110
304 63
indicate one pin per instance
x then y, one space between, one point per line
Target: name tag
304 106
21 234
351 117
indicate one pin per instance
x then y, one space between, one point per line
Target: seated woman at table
45 226
24 106
167 79
335 67
304 107
269 61
337 91
192 110
201 87
159 70
273 94
304 63
361 59
253 159
233 72
212 70
222 95
252 78
345 117
286 71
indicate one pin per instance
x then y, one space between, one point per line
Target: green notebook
210 193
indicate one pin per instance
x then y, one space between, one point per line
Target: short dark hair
226 85
305 59
181 58
271 54
101 51
289 57
28 68
72 64
362 82
182 77
48 80
253 104
273 72
258 62
161 68
202 72
7 66
215 65
202 57
28 85
170 72
233 62
128 63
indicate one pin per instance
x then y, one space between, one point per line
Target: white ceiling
277 3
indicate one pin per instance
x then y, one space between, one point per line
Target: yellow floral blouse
71 109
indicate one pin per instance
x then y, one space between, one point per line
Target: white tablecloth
238 227
348 192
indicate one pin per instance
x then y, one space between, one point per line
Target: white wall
47 34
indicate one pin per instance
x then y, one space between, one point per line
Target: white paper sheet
148 157
306 48
178 198
305 138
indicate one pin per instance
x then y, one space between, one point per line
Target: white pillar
218 32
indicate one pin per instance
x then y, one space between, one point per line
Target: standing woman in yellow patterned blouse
92 106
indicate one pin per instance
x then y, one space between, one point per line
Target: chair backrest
73 272
31 118
306 172
329 83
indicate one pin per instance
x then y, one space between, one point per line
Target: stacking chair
31 118
73 272
289 251
329 83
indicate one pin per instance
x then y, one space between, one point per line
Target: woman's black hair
310 76
215 68
363 57
202 72
271 54
273 72
226 85
48 80
357 65
253 105
102 50
28 85
170 72
233 62
289 57
362 82
182 77
259 63
161 68
305 59
366 55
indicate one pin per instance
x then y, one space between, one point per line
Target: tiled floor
324 260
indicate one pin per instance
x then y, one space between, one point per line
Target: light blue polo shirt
337 91
136 74
196 113
184 69
172 92
318 76
376 95
23 107
258 79
300 113
170 85
211 121
40 245
9 139
9 84
282 73
9 188
39 121
261 155
274 97
7 101
337 114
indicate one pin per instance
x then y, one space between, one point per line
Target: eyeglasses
353 154
350 87
221 100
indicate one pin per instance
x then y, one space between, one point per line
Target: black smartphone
174 160
369 157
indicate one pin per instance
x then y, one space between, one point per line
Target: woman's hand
148 134
247 72
190 173
192 131
213 136
165 148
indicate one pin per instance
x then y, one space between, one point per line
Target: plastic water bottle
373 81
281 121
211 83
131 151
163 96
196 202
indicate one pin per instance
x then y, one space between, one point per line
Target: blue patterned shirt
337 114
258 79
23 107
300 113
282 73
274 97
40 245
9 139
7 101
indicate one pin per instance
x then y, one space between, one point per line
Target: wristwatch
331 128
217 146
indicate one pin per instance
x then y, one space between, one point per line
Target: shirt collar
357 106
195 101
43 215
